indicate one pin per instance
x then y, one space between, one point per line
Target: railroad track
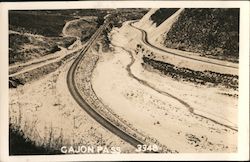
94 114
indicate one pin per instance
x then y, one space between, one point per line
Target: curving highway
76 95
190 109
146 42
94 114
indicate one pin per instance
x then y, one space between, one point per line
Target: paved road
145 41
26 67
76 95
190 109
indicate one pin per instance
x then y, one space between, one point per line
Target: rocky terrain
212 32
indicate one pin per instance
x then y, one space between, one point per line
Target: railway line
78 98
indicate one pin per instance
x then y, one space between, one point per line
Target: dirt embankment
197 77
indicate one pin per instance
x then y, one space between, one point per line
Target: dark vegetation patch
64 41
13 82
23 48
48 22
116 19
37 73
212 32
124 14
197 77
36 23
21 145
104 41
83 29
230 95
162 14
18 68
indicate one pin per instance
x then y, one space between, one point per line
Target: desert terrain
120 82
183 116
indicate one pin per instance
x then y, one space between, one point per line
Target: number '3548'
147 148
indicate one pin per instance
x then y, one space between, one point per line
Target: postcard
124 80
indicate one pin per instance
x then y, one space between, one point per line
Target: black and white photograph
126 80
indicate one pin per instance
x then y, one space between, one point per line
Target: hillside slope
158 21
212 32
34 34
88 28
209 32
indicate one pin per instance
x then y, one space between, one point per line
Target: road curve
76 95
190 109
184 103
145 41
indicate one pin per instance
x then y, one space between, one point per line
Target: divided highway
76 95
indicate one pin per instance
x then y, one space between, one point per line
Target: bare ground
46 113
135 94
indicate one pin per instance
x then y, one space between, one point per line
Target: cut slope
157 22
162 14
146 23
